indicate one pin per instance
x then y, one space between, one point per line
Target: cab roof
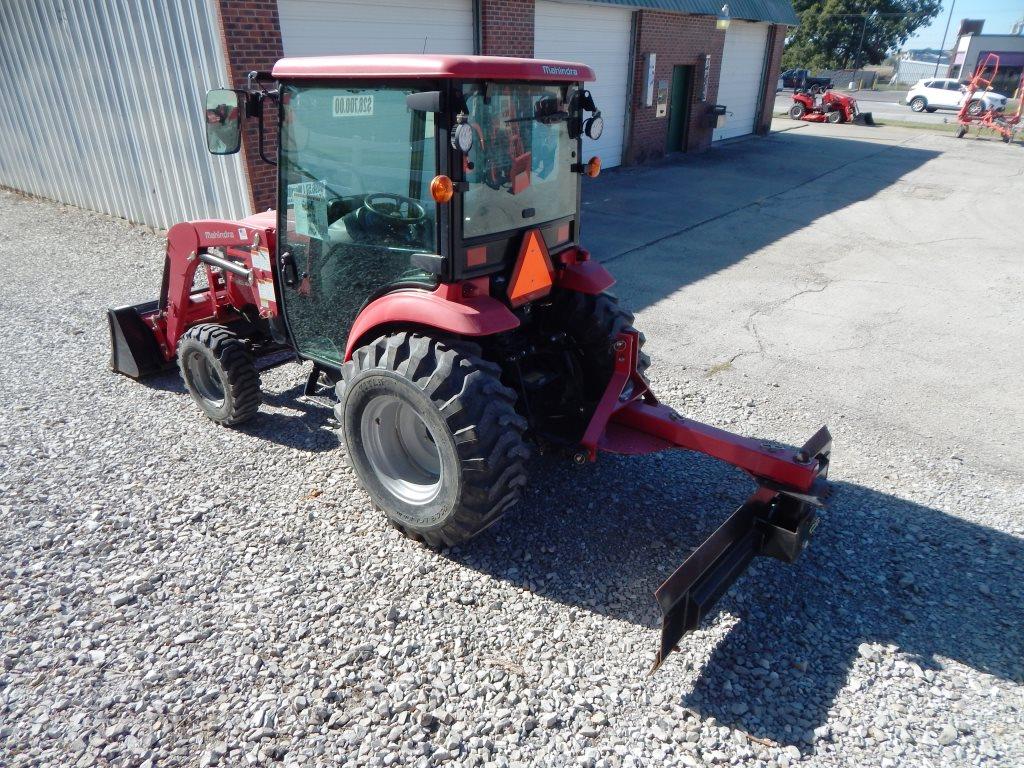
431 66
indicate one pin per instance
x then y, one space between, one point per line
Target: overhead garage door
598 36
739 85
325 27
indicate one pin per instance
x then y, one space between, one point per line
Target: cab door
355 169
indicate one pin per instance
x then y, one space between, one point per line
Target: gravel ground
173 593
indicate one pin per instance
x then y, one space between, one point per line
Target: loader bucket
863 118
133 347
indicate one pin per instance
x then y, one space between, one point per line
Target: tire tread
479 412
238 371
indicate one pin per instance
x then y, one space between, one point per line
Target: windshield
520 168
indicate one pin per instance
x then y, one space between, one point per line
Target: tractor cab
409 172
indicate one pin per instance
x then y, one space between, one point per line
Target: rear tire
797 111
918 104
594 322
433 435
219 373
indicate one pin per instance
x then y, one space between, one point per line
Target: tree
829 35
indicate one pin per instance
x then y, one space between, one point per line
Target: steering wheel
394 209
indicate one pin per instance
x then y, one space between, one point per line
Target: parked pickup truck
801 79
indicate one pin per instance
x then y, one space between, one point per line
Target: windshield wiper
549 119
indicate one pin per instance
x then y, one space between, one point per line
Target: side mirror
223 121
462 137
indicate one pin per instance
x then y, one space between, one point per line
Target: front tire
918 104
433 435
835 116
218 371
797 111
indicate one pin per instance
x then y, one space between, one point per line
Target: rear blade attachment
774 522
134 350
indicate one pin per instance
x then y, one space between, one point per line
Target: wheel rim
205 379
402 450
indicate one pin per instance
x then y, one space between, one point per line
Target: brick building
662 67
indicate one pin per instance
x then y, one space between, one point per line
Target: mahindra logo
220 235
565 71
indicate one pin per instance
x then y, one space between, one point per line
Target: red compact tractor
996 120
828 107
425 257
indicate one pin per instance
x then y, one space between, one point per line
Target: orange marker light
593 166
441 189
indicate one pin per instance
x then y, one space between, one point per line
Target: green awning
774 11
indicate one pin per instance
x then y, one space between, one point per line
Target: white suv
927 95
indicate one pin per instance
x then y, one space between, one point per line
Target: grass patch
717 368
941 127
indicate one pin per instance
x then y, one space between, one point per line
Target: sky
999 16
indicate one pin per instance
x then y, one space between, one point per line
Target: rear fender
460 309
578 273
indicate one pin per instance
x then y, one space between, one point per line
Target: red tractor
828 107
425 257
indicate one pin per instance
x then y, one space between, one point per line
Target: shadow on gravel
304 425
296 422
881 570
167 381
763 185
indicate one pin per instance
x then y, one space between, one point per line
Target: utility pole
942 48
860 45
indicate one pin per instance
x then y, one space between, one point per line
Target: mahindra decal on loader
425 256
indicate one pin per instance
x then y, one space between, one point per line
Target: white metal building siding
105 108
739 85
325 27
601 37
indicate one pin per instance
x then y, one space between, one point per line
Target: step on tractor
828 107
996 120
425 257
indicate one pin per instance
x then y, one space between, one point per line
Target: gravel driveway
173 593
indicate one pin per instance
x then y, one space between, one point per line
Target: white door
739 85
598 36
326 27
